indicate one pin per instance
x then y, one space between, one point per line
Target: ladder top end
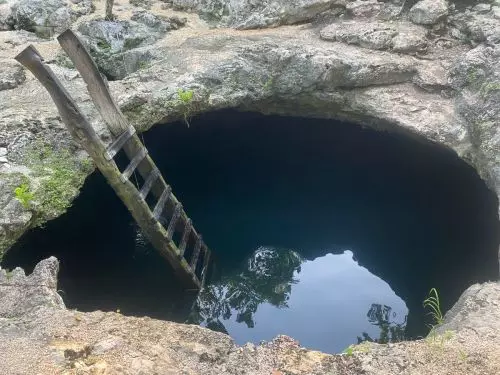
29 52
67 34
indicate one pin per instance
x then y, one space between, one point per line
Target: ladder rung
118 143
205 266
148 184
133 164
160 205
196 253
185 237
173 220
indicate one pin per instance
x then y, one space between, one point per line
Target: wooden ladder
191 270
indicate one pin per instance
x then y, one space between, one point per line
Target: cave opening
323 230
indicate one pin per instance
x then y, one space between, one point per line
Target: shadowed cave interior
323 230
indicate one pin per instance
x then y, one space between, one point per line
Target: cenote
323 231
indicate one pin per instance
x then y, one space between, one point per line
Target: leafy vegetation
23 194
349 351
186 97
360 348
433 304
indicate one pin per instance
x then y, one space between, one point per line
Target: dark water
323 231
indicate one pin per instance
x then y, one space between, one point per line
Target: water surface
323 230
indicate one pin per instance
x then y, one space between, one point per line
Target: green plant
349 351
186 97
23 194
360 348
433 304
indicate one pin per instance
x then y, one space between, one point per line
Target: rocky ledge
428 69
38 335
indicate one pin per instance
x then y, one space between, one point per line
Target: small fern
433 304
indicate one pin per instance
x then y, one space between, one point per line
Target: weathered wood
160 205
80 128
196 253
108 109
185 237
173 220
133 164
119 142
153 176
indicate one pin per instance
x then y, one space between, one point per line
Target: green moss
132 43
63 60
143 64
475 77
59 175
488 88
268 84
104 45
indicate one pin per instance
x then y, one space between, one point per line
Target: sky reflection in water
277 292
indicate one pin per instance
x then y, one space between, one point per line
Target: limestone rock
116 44
21 294
34 15
477 309
364 8
14 219
428 12
375 35
6 16
158 24
477 27
399 36
432 77
11 75
476 77
146 4
251 14
410 39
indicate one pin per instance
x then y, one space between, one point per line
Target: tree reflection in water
384 318
267 277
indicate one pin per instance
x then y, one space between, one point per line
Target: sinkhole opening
322 230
